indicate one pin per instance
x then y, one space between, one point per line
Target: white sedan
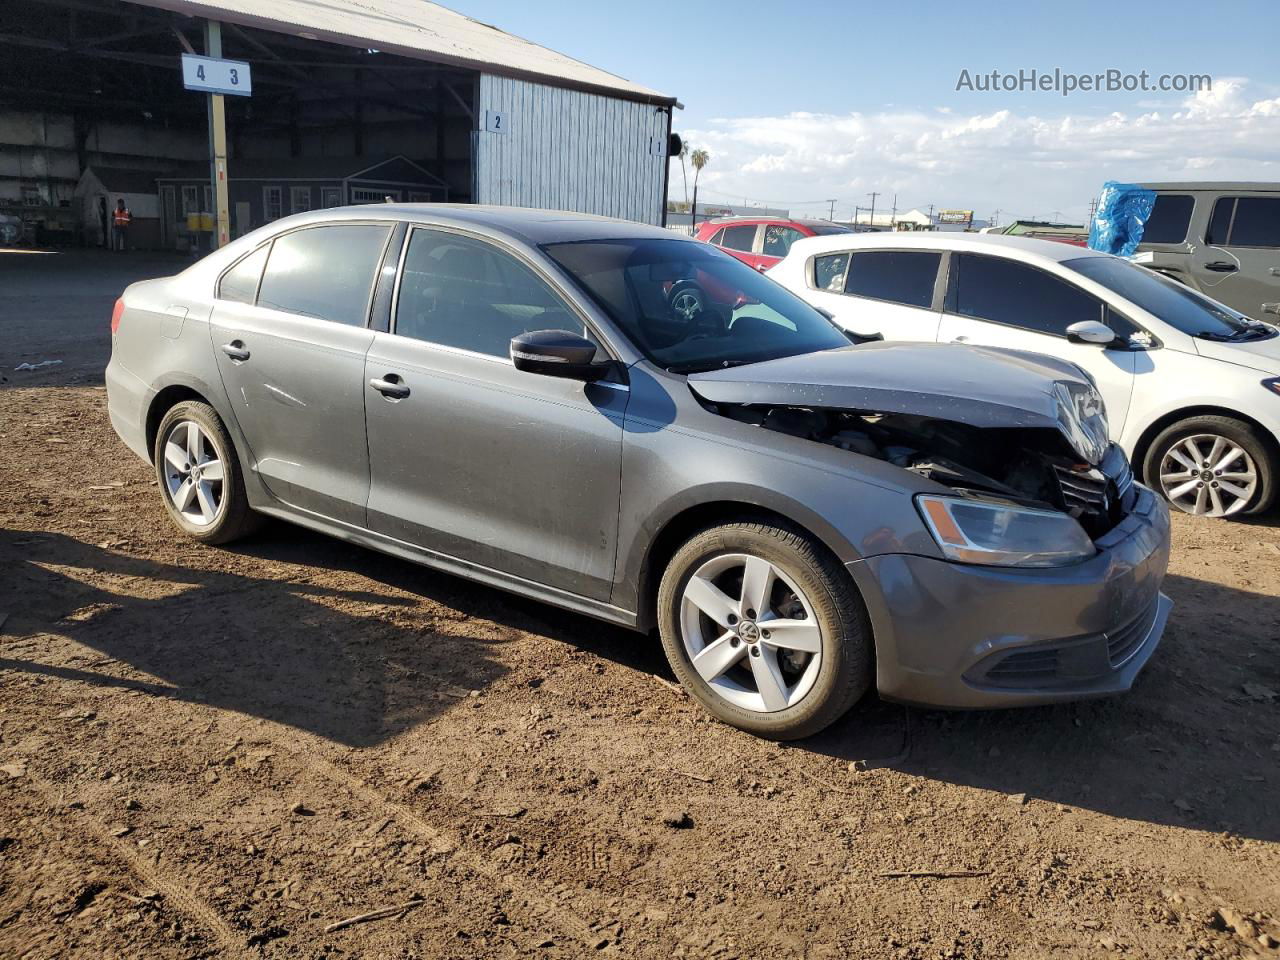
1192 387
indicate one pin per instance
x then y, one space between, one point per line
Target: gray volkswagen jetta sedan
633 425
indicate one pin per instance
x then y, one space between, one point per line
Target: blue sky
880 80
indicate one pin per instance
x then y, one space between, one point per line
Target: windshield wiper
1260 332
1243 335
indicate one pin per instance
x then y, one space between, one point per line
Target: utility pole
873 194
217 143
832 215
995 218
893 216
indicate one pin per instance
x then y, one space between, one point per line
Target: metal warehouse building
337 85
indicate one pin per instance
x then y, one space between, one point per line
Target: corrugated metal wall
568 150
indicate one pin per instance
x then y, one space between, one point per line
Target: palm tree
684 172
699 158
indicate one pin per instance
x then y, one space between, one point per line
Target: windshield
1175 304
828 229
688 307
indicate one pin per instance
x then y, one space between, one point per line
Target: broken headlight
1003 534
1082 417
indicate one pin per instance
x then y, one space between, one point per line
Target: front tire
199 475
1213 466
765 629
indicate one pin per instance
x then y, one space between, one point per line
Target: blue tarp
1123 211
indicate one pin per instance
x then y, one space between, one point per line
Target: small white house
99 189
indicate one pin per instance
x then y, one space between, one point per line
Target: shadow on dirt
1191 745
354 667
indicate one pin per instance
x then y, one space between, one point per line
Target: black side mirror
557 353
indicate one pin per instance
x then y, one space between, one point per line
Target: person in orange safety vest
120 220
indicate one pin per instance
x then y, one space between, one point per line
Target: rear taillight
116 313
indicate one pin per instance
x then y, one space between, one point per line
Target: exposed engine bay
1030 466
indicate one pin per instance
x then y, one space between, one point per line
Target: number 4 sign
209 75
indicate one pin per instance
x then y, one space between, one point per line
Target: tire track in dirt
174 891
523 894
526 897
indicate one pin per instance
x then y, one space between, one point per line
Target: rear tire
199 475
785 670
1233 475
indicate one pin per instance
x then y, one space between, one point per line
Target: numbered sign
216 76
495 121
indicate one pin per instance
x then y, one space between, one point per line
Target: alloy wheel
1208 475
750 633
193 473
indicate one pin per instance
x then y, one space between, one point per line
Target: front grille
1084 492
1123 643
1098 497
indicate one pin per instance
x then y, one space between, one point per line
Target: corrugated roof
416 28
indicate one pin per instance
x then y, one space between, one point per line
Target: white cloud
1023 163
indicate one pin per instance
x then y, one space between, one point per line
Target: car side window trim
941 282
552 283
384 286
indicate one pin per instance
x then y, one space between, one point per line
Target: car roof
534 227
746 218
992 243
1215 186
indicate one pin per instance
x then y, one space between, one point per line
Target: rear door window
1017 295
1169 219
1245 222
739 238
1256 223
778 239
324 272
898 276
829 271
240 283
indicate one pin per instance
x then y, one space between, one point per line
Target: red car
761 242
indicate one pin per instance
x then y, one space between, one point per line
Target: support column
218 144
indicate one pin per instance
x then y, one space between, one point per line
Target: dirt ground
212 752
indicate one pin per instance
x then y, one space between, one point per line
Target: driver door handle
960 339
391 387
236 350
1221 266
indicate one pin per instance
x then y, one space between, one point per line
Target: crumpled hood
978 386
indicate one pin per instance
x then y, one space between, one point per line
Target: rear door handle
390 386
236 350
960 339
1221 266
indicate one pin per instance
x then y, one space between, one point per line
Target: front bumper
964 636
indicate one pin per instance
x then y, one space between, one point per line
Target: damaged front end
995 426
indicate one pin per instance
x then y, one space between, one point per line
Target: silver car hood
978 386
